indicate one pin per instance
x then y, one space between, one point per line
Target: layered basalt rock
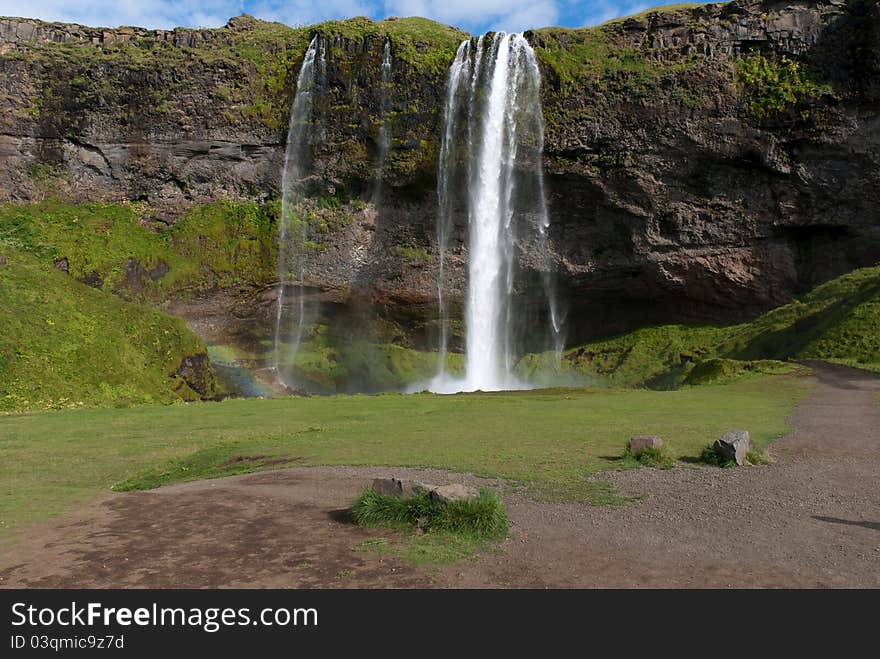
674 193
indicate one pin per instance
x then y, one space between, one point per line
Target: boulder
734 445
396 487
639 443
455 492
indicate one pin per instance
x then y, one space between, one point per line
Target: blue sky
475 16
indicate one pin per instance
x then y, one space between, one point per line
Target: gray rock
455 492
3 260
734 445
639 443
396 487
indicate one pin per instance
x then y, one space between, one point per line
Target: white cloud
509 15
473 15
139 13
597 12
306 12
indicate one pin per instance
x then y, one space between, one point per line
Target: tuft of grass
658 458
410 253
378 545
437 533
772 84
710 456
481 518
759 458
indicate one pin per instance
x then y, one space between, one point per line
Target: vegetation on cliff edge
772 84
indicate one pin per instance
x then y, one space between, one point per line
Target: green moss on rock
217 245
772 84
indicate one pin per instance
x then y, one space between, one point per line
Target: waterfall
457 83
493 105
385 128
293 231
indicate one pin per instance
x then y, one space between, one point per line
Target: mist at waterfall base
490 187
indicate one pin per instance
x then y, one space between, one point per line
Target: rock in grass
396 487
734 445
3 259
455 492
639 443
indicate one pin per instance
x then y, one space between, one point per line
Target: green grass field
547 441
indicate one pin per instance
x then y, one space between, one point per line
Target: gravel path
810 519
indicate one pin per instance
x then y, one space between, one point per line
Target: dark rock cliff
702 164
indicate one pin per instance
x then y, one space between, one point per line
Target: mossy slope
838 321
216 245
65 344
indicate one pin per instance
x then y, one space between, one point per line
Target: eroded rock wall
675 194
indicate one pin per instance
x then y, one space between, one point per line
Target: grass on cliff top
838 321
64 344
215 245
660 10
548 441
581 55
265 55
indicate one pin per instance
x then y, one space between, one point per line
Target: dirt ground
811 519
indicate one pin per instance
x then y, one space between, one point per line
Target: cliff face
737 174
701 164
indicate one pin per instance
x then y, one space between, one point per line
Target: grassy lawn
548 441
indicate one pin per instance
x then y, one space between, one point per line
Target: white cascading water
458 81
385 128
292 231
495 91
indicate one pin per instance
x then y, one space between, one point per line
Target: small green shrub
714 458
411 253
651 457
772 85
481 518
